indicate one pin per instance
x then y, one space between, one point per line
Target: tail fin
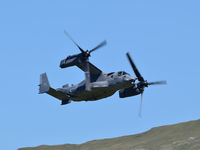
44 84
45 88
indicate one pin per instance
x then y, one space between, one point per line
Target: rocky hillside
182 136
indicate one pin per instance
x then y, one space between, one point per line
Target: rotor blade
98 46
158 83
140 109
87 76
67 34
137 73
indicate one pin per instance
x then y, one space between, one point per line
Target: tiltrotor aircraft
97 84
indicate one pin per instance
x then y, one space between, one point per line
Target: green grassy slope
182 136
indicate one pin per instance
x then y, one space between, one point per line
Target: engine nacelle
70 61
129 92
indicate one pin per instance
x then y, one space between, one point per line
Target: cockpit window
110 73
122 73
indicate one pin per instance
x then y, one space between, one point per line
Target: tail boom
44 87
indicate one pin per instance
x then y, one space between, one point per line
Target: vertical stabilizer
44 84
44 87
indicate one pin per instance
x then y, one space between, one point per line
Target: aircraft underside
94 94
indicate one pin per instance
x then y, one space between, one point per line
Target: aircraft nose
129 78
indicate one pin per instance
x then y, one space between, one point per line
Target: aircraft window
110 73
120 73
125 73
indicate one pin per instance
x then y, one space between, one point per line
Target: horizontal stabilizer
58 94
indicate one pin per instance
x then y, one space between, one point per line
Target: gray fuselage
105 85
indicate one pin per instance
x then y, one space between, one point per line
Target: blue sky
162 37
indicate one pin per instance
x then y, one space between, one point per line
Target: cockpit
111 73
120 73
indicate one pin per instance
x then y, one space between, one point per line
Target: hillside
182 136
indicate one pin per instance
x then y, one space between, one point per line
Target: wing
94 71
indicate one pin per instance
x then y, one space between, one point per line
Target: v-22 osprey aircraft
97 84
